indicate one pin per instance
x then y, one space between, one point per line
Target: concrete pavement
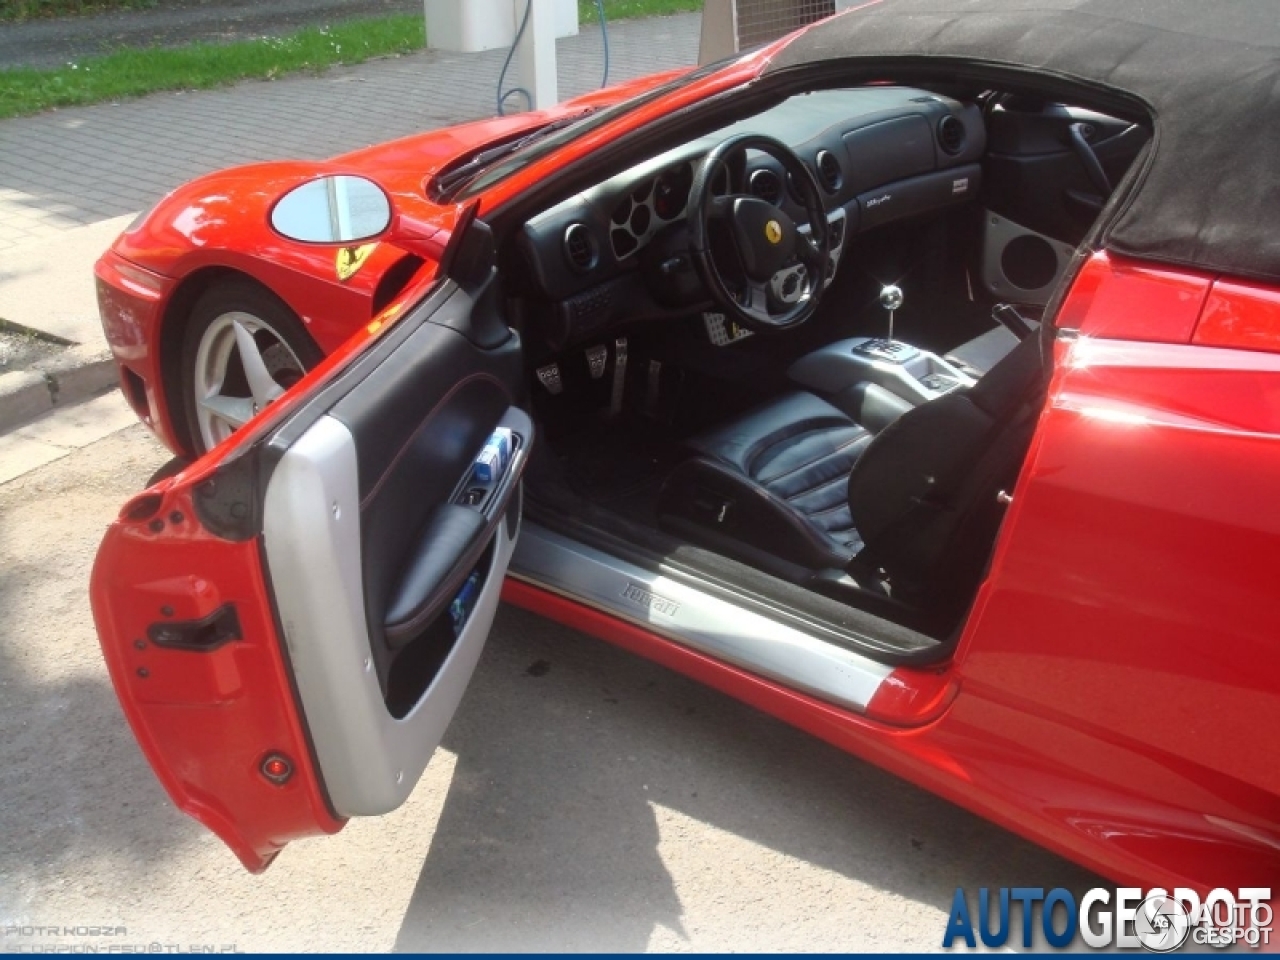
583 799
47 286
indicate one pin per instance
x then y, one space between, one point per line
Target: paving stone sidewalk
68 168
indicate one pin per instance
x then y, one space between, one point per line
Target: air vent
951 134
766 185
829 173
579 247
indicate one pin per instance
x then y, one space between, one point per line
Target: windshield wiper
445 184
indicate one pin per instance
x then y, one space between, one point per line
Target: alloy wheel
242 365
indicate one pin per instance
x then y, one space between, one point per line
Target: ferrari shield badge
773 231
351 259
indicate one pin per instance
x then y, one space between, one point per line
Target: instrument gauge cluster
649 207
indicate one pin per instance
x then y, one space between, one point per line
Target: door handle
198 636
1086 204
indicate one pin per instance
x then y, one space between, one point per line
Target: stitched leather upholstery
776 479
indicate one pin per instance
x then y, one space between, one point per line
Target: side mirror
336 209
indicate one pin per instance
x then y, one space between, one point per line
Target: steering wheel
763 236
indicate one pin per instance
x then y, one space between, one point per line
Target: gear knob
891 298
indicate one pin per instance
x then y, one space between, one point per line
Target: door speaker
1018 264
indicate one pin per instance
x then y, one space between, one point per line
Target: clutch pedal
619 375
549 376
597 360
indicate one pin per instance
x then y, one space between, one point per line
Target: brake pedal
597 360
550 378
653 392
619 375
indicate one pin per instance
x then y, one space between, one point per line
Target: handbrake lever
1012 320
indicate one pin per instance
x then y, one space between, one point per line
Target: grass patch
630 9
131 73
36 9
199 66
19 10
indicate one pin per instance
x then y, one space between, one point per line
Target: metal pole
537 53
719 31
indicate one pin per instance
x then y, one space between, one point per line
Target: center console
913 375
877 379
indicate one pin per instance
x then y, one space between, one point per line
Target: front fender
223 222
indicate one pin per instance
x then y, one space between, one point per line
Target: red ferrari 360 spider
915 379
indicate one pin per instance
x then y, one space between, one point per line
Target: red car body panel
1125 644
1119 299
1243 315
206 721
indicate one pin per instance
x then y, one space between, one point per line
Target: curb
77 374
12 326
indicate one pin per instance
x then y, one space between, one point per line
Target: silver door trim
697 620
370 761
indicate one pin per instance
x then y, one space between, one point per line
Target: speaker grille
1029 262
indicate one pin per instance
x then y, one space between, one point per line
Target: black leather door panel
1034 176
418 420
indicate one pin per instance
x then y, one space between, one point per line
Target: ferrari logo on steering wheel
773 231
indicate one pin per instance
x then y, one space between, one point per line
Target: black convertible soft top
1207 72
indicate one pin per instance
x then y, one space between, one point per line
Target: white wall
466 26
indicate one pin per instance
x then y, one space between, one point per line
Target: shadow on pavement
75 785
569 752
597 801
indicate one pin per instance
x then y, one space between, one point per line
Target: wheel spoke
809 254
236 411
261 385
721 206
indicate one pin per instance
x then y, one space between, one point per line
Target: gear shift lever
891 300
888 350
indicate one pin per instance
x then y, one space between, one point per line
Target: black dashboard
878 153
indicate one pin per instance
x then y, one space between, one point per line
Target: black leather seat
774 480
799 484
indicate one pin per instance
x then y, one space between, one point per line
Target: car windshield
487 175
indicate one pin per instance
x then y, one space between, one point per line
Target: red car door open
291 622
